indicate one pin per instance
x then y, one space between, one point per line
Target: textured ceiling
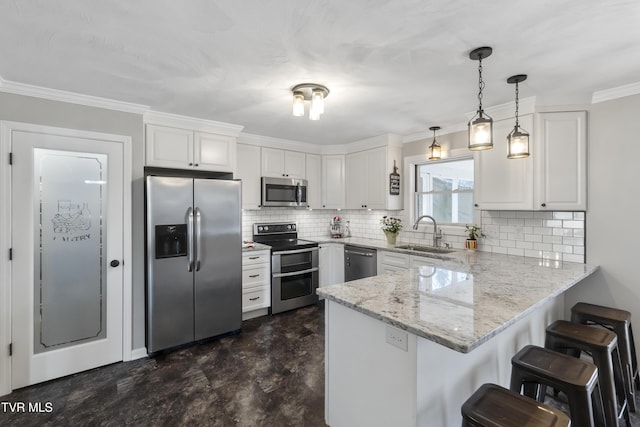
392 66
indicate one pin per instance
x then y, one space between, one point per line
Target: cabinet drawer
249 258
255 299
256 276
394 259
384 268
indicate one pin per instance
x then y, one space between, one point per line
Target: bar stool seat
618 321
577 378
602 345
495 406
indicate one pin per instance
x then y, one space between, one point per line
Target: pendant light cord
480 84
517 103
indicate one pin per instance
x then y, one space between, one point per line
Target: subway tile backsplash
558 236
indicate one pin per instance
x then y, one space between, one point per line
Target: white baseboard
139 353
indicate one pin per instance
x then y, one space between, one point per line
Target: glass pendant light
518 138
298 104
435 149
481 125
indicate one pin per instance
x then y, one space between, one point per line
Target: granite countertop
463 303
253 246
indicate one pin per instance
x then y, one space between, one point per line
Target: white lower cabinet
395 261
331 263
256 283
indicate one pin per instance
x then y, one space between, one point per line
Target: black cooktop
280 236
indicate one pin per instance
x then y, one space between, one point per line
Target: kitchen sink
429 249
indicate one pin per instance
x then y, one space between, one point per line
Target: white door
67 240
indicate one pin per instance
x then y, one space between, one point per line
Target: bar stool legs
602 345
618 321
577 378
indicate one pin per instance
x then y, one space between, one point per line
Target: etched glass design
70 244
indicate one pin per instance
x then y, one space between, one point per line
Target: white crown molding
191 123
24 89
615 93
427 134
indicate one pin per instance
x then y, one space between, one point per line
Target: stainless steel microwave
284 192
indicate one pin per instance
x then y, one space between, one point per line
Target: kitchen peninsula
408 348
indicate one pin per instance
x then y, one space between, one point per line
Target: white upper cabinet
179 148
214 152
561 161
367 176
501 183
553 177
169 147
278 163
248 170
333 181
314 181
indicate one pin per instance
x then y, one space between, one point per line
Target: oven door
284 192
294 279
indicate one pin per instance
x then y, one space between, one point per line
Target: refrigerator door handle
190 239
198 237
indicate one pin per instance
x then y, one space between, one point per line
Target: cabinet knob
196 165
544 205
475 204
190 164
324 206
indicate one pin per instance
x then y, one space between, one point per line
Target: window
444 190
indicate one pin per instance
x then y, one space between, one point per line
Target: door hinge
10 254
10 349
10 158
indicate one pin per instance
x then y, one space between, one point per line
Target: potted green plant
473 231
391 227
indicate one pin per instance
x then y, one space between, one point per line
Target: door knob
114 263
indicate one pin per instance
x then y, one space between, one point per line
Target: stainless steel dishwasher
359 262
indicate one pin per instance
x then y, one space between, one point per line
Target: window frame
410 163
454 192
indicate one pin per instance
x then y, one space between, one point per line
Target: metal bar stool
495 406
618 321
577 378
602 346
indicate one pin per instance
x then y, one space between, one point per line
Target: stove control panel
275 228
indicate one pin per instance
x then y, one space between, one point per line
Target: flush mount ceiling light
480 125
518 138
434 149
312 92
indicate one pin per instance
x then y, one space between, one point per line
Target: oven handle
295 251
295 273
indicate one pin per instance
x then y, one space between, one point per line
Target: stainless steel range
294 265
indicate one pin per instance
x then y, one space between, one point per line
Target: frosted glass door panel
70 244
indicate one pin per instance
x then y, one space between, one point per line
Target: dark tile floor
272 374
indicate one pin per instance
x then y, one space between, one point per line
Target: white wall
613 210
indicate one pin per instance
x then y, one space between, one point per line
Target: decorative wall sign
394 181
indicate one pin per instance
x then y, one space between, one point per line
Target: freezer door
169 248
218 257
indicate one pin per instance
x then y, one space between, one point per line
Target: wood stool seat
618 321
602 345
578 379
495 406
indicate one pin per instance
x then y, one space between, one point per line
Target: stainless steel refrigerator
194 259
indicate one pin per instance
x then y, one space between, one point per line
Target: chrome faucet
436 236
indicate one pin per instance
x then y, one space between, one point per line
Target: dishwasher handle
367 254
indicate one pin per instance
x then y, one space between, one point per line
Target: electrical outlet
396 337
